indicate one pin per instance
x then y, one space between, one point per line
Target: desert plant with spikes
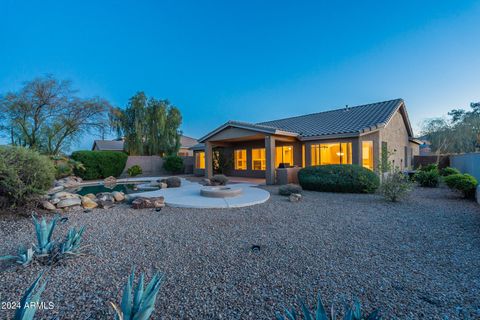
72 242
44 231
351 313
30 297
140 303
24 256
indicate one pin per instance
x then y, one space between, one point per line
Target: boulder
106 204
54 200
69 202
48 205
91 196
88 203
69 182
105 196
118 196
110 180
145 203
173 182
64 195
162 185
295 197
206 182
55 189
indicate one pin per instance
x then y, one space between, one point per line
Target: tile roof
109 145
340 121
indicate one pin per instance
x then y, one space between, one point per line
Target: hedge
349 178
464 183
24 175
100 164
173 164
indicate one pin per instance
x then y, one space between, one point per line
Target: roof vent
346 107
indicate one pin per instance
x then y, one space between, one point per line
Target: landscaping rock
478 194
110 180
106 204
144 203
88 203
55 189
69 202
118 196
54 201
206 182
173 182
295 197
69 182
65 195
162 185
91 196
105 196
48 205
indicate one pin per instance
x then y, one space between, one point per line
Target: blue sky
249 60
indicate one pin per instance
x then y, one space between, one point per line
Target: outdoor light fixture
340 154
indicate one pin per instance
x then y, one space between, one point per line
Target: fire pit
220 192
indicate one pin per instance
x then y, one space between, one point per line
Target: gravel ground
418 259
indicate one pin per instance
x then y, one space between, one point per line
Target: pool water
122 187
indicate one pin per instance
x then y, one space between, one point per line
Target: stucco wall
396 136
153 165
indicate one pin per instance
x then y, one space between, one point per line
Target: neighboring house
118 145
425 146
352 135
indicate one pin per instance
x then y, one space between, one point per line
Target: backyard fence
467 163
423 161
153 165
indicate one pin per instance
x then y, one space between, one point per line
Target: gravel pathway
418 259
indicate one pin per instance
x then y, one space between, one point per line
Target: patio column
270 159
308 154
208 159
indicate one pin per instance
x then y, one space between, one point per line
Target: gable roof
108 145
340 122
187 142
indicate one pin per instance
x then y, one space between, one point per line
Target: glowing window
332 153
240 159
200 160
284 154
367 154
303 156
258 159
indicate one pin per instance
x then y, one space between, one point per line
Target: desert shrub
173 164
448 171
429 179
64 166
288 189
338 178
24 175
134 170
100 164
395 186
173 182
219 180
464 183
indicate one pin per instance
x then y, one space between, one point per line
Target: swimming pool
127 188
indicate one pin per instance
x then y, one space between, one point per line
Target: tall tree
46 115
458 134
149 126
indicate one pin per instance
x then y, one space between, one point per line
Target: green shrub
219 180
429 167
395 186
448 171
173 164
338 178
429 179
288 189
100 164
24 175
65 167
464 183
134 170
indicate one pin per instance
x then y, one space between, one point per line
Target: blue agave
140 304
351 313
71 244
24 256
44 232
30 297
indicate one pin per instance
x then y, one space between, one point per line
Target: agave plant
71 244
140 304
30 297
24 256
351 313
44 231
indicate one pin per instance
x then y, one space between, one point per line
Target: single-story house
351 135
118 145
